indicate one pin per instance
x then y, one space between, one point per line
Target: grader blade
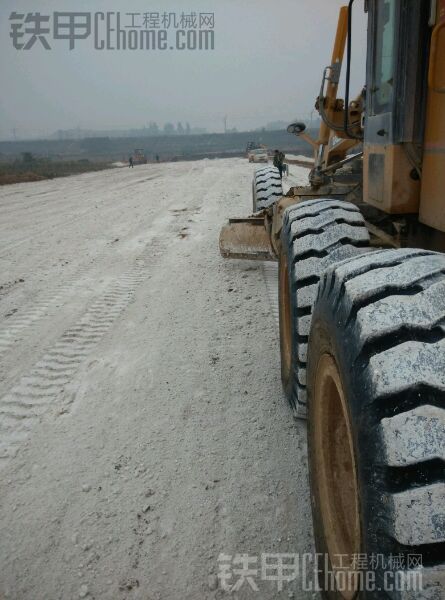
246 239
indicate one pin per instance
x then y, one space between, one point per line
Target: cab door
432 202
393 106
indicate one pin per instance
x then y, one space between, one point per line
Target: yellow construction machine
139 157
361 284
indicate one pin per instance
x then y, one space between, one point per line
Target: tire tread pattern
316 233
266 187
392 306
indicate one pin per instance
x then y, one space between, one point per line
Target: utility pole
225 124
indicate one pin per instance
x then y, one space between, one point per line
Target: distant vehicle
139 157
252 146
258 155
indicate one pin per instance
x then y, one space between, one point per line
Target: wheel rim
336 473
285 321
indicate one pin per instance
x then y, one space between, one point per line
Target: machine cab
404 145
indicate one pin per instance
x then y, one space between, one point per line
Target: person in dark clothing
130 162
278 161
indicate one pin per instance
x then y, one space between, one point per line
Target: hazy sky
267 65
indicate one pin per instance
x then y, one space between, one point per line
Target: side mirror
296 128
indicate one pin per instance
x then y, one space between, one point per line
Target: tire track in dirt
28 316
37 391
34 313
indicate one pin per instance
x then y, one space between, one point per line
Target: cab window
384 56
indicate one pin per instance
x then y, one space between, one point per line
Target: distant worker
157 157
130 162
285 165
278 161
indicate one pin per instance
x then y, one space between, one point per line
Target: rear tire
315 234
266 188
376 385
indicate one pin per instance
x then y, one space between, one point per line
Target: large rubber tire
379 321
315 234
266 188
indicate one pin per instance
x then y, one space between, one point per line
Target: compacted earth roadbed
142 428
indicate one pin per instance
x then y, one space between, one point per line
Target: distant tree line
152 129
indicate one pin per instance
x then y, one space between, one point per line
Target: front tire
376 421
266 188
315 235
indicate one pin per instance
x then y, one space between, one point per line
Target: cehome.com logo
114 30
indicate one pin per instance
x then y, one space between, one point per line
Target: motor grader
361 285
